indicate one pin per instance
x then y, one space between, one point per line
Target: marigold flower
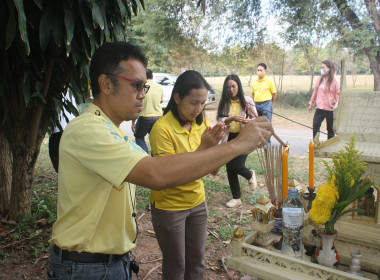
319 213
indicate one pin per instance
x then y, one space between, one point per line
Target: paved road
298 139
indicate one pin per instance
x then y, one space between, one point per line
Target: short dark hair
149 74
263 65
187 81
224 103
107 58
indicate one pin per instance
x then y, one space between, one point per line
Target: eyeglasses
139 85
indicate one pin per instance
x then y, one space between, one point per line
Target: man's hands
255 134
212 136
310 108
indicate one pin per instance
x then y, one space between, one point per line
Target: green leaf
71 108
97 16
45 29
38 4
86 18
58 27
69 23
122 8
349 211
10 29
22 24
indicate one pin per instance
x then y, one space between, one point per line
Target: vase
355 264
327 254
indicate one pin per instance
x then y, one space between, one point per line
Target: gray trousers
182 239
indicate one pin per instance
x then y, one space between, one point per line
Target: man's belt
85 257
257 102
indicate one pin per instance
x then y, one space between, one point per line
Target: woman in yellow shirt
232 112
179 214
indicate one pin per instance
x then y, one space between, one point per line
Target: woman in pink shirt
326 95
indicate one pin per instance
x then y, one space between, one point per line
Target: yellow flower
327 194
319 213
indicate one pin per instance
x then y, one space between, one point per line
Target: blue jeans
265 109
143 127
66 270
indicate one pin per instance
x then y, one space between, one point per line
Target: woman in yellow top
179 214
232 112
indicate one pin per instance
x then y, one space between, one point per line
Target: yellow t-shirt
263 90
168 137
235 111
95 205
152 100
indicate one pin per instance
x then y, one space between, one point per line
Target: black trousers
237 167
319 116
54 140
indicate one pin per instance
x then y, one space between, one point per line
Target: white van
168 80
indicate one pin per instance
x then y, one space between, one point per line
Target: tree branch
371 8
346 11
36 117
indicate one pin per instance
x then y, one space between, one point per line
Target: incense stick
270 161
274 133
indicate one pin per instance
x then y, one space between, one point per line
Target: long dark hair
185 83
225 100
331 73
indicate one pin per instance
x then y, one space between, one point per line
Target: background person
99 166
264 92
233 113
55 137
179 214
150 113
326 95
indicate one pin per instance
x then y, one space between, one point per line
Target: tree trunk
5 173
312 80
374 63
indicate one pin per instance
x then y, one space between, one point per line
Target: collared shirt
235 111
326 97
168 137
152 100
95 205
262 90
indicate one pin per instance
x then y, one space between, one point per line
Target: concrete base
354 236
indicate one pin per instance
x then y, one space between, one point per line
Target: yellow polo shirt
152 100
235 111
263 90
95 205
168 137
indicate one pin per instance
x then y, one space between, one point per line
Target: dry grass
297 82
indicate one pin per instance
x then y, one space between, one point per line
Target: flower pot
327 254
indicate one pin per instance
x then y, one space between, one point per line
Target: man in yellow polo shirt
264 93
150 113
99 167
